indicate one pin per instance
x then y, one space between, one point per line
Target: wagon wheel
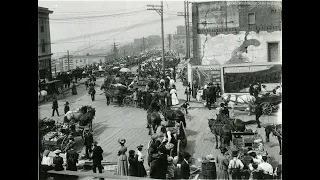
64 143
127 101
266 108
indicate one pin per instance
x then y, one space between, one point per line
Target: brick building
237 32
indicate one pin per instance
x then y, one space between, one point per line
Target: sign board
206 73
236 79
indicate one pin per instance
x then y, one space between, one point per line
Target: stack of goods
53 138
46 124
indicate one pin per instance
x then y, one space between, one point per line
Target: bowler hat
140 146
57 151
234 153
122 141
67 103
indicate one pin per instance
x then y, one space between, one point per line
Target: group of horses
223 127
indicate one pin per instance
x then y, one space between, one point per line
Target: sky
72 22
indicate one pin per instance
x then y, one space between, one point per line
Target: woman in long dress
222 164
141 170
122 169
133 166
174 97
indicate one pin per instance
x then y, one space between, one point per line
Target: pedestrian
222 164
174 96
92 92
187 92
66 107
185 167
251 89
57 161
218 90
46 163
72 161
135 97
170 168
258 112
86 84
266 168
70 145
225 109
55 106
247 159
97 157
87 142
122 166
133 163
169 98
235 166
141 170
74 89
255 174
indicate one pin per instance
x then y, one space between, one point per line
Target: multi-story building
237 32
80 61
179 40
44 44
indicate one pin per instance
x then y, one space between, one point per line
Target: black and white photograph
147 89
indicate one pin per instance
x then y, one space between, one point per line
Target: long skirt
222 174
174 100
122 169
141 170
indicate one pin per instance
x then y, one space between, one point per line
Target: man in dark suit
55 106
88 140
97 157
258 112
185 167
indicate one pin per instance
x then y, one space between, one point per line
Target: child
135 97
199 94
170 168
66 108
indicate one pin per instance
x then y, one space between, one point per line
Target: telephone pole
188 31
184 14
159 10
68 61
114 49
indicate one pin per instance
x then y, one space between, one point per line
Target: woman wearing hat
133 163
57 161
46 162
222 164
141 170
122 169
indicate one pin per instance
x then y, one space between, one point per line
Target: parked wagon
270 103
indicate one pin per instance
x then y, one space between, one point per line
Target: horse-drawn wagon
270 103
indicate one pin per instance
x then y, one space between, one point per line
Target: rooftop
44 10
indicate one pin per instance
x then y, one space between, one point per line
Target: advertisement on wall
236 79
205 74
219 16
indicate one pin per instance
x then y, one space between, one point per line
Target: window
42 26
43 46
273 52
251 18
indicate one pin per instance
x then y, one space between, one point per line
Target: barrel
208 169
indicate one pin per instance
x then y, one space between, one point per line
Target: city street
112 123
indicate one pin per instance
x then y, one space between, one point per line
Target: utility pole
114 49
68 61
184 14
188 31
160 12
169 40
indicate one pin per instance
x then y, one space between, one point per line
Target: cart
270 103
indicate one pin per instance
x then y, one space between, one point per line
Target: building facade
237 32
80 61
179 40
44 44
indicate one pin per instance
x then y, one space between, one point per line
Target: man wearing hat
66 107
258 112
235 165
97 157
88 140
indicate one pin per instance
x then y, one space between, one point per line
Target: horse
218 128
84 116
154 121
236 124
276 131
176 115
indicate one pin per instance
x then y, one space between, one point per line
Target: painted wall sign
206 74
237 79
